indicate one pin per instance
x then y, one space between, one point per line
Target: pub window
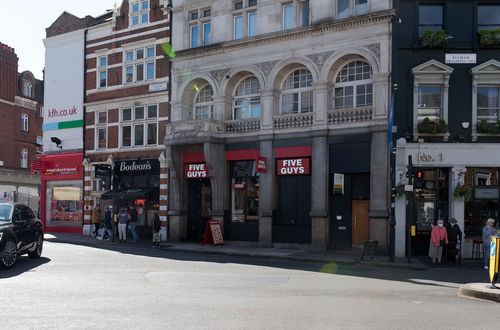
203 107
430 17
297 93
247 99
353 86
488 17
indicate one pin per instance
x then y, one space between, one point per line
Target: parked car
20 233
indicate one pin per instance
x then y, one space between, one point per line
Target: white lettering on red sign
195 171
296 166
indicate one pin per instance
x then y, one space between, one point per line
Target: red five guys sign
294 166
195 171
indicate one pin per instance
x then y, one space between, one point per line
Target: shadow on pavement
451 275
23 264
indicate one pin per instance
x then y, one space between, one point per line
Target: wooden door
360 224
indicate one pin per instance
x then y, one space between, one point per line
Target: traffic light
419 180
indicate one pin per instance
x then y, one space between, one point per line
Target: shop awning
132 193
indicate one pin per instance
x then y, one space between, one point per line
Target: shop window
346 8
203 107
295 14
64 203
247 99
244 192
430 93
488 17
297 93
430 17
353 86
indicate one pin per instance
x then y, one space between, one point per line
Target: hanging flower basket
434 39
428 126
399 191
464 191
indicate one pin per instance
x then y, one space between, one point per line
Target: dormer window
27 89
139 12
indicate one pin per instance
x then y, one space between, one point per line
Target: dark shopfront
136 183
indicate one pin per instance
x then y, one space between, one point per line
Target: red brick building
21 110
126 111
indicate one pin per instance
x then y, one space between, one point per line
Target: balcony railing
293 121
350 115
242 125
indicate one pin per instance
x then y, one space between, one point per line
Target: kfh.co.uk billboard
64 76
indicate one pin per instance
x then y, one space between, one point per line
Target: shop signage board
62 164
461 59
137 167
261 164
239 186
195 171
102 171
338 183
494 259
213 233
486 193
294 166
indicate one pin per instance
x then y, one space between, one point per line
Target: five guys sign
294 166
195 171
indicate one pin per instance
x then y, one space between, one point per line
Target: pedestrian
454 236
133 223
96 220
107 224
123 218
488 230
156 225
439 238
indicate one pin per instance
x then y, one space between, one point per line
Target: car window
30 213
17 214
5 213
24 213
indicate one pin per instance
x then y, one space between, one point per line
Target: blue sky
23 23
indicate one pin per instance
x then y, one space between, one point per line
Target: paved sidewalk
231 248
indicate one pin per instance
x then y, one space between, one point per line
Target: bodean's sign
138 167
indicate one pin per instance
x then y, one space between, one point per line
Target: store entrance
430 204
198 207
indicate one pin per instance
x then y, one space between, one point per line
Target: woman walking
488 231
439 238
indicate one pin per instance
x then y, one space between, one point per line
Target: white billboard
63 100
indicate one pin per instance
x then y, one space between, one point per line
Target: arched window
203 107
247 99
296 94
27 88
353 86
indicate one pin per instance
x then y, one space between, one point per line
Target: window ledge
417 135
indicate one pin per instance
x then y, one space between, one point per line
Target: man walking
96 219
123 218
133 222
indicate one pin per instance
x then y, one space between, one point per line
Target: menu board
216 232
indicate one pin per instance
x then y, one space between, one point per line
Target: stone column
222 108
266 195
322 102
177 223
379 192
268 102
380 95
319 192
216 163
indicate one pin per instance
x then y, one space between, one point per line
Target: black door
293 222
198 207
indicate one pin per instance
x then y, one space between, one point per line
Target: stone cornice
337 25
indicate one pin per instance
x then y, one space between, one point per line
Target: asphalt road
77 287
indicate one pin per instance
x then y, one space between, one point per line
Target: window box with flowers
489 37
428 126
485 127
434 39
464 191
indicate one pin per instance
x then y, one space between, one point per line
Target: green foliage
488 128
489 37
463 191
437 39
428 126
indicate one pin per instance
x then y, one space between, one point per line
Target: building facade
21 107
447 72
126 111
279 121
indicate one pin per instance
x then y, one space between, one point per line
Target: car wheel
37 252
8 255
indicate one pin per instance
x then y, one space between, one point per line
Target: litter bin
494 252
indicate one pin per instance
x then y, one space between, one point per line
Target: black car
20 233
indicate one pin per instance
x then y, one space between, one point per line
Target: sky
23 23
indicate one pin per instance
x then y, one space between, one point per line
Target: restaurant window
203 107
247 99
297 93
353 86
64 203
244 192
430 17
488 17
